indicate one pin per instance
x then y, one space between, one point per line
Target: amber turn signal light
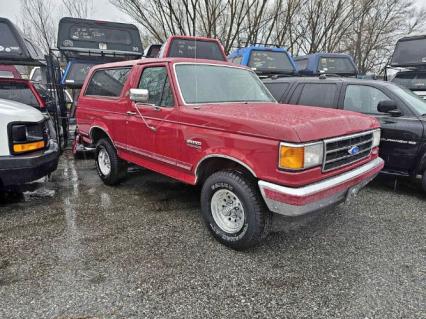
292 157
28 147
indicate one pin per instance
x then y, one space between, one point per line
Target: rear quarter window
278 90
321 94
108 82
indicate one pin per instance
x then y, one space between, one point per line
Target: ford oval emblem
353 150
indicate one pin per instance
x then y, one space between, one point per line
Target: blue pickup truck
265 60
326 63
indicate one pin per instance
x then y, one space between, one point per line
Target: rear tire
234 210
111 169
424 181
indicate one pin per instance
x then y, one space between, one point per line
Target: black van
401 113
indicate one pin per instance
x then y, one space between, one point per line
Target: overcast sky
103 10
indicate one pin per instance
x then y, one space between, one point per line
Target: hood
291 123
11 111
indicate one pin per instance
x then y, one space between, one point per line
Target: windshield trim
213 64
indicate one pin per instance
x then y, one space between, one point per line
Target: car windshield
333 65
418 104
18 92
204 83
411 80
270 61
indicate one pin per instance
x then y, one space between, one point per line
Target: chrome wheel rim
227 211
104 162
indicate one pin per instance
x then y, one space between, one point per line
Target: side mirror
389 107
139 95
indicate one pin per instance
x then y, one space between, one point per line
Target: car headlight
376 137
28 137
295 156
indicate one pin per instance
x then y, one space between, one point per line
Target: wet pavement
71 247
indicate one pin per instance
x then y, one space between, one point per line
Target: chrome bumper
291 201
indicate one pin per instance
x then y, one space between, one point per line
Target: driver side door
398 145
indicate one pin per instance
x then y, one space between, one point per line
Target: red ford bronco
215 124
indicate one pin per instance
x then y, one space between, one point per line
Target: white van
28 147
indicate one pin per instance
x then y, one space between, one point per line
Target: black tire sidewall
251 223
99 147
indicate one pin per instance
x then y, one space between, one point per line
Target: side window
318 94
108 82
156 81
237 60
363 99
278 89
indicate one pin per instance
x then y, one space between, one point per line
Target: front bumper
17 170
291 201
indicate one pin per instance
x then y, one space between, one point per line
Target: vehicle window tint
302 64
270 61
336 66
237 60
196 49
18 92
156 81
318 94
108 82
363 99
277 89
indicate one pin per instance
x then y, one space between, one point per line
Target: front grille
337 150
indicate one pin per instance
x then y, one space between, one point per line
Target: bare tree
367 29
78 8
38 22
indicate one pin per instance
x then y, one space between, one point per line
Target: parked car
28 148
402 114
326 63
414 80
9 72
182 46
265 60
22 91
215 124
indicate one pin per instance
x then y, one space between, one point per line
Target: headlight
295 157
376 138
28 137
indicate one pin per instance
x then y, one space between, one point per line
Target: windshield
270 61
202 83
411 80
196 49
418 104
409 52
18 92
334 65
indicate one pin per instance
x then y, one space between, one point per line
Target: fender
103 127
233 156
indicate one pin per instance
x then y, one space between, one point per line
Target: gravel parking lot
71 247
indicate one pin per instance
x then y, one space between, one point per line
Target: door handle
130 113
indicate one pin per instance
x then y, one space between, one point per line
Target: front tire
111 169
424 181
233 210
